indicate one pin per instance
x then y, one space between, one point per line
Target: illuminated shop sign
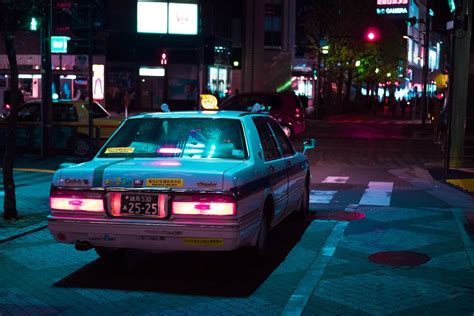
392 7
59 44
391 2
392 11
162 17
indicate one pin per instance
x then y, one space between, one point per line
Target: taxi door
296 174
275 166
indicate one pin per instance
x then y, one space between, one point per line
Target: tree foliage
343 25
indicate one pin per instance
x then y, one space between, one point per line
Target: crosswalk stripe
378 193
335 180
322 197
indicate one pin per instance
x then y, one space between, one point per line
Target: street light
377 70
389 74
357 64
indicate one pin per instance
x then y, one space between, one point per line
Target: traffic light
236 58
412 21
371 35
164 58
33 24
315 72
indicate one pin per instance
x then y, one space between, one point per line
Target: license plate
139 204
205 242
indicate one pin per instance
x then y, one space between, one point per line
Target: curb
25 231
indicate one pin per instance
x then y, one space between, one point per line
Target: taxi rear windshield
178 138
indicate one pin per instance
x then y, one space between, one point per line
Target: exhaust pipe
82 245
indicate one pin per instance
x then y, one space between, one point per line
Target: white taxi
183 181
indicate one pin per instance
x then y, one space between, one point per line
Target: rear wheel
260 248
109 253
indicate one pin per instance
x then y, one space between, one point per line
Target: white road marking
335 180
307 285
323 197
378 193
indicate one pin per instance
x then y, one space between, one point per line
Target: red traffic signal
371 35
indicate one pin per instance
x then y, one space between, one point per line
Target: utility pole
458 85
90 91
424 101
46 80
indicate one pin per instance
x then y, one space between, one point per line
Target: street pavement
370 194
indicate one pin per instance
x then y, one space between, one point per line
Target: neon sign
391 2
392 11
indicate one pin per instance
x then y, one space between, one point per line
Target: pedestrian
126 102
403 106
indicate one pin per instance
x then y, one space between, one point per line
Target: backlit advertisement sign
182 18
161 17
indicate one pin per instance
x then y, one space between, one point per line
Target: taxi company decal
207 242
75 182
119 150
163 182
206 184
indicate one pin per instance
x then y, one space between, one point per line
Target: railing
63 140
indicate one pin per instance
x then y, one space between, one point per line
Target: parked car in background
70 120
182 181
285 107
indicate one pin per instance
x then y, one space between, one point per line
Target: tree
15 15
343 25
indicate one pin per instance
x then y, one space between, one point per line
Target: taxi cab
69 115
184 181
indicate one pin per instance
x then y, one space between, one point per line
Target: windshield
178 138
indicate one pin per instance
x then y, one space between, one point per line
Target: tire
288 131
81 146
304 206
260 248
109 253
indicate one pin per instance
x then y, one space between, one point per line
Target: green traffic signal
34 24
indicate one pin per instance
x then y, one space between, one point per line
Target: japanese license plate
140 204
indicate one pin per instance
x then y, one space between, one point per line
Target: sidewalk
32 177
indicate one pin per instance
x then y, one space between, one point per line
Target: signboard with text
392 7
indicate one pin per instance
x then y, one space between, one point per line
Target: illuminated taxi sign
208 102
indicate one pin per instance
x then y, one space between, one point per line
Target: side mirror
66 165
308 144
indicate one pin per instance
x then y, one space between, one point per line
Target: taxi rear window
178 138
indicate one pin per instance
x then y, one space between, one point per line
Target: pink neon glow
199 208
371 36
73 204
169 151
7 106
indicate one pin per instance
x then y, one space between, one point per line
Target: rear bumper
153 235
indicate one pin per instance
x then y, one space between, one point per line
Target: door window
30 112
285 144
64 112
270 149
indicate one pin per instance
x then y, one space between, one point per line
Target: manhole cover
338 215
399 258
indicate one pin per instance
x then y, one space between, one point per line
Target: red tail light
297 112
205 204
76 201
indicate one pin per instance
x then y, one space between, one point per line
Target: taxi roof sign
208 102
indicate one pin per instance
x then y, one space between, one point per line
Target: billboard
160 17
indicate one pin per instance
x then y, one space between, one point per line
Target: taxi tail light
204 204
76 201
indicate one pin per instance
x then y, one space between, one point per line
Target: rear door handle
271 168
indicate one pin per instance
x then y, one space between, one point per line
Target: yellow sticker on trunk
206 242
119 150
165 182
